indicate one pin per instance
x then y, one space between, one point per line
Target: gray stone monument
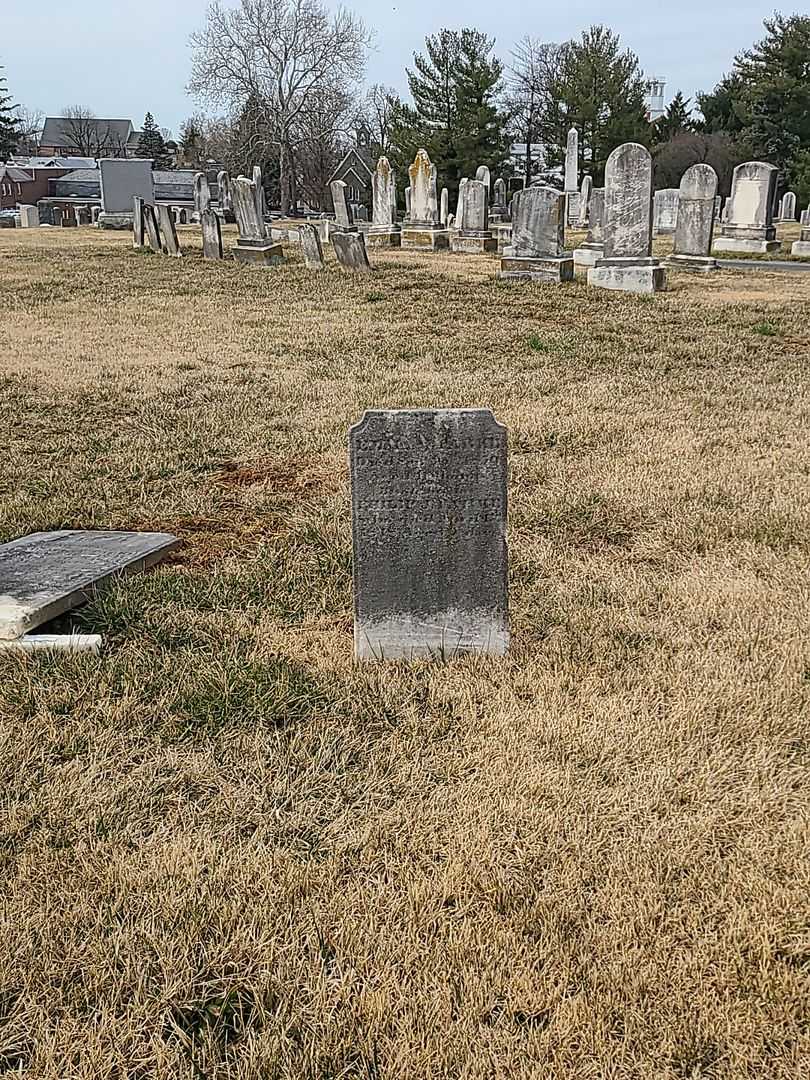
225 196
254 245
423 228
458 218
804 217
585 201
748 224
258 188
538 238
695 226
350 249
482 174
444 207
572 176
384 231
474 237
718 207
152 229
499 212
344 219
121 180
138 224
202 193
168 231
628 264
801 247
665 211
429 533
787 207
593 249
29 217
211 235
310 239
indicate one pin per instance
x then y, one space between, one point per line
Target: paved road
765 264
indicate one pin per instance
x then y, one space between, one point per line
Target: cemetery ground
228 851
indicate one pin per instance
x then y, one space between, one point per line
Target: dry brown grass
228 852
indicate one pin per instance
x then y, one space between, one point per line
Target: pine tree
152 144
676 120
9 123
600 91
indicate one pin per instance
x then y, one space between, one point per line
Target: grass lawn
226 851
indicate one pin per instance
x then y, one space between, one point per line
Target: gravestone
801 247
258 191
253 245
350 249
585 201
429 533
47 574
748 224
138 224
168 230
695 226
718 207
474 237
458 220
344 219
211 235
202 193
29 217
225 197
483 176
361 213
121 180
500 210
538 238
384 231
787 208
310 240
95 213
152 230
804 217
572 177
444 207
589 253
423 228
627 264
408 203
665 211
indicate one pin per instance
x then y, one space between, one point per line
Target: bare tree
321 138
82 129
279 54
530 80
29 130
378 111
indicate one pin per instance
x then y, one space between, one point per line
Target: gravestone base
473 243
426 237
72 643
801 248
258 252
663 230
745 245
384 238
572 204
550 268
443 636
503 235
587 255
697 264
114 221
628 275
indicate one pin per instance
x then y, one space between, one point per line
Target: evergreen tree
455 117
191 143
152 145
9 123
676 120
600 91
723 109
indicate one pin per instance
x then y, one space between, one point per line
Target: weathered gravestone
589 253
801 247
538 238
225 196
211 235
121 180
787 207
695 227
29 217
45 575
499 211
586 191
202 194
423 228
311 249
138 224
474 236
444 208
344 217
253 245
152 229
627 264
350 249
748 224
168 231
258 192
572 177
804 217
483 176
665 211
384 231
429 533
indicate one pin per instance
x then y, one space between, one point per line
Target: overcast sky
124 57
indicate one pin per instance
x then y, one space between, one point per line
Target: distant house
82 188
88 137
25 186
356 169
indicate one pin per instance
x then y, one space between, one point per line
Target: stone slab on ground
551 269
46 574
776 265
262 254
31 643
429 531
635 277
745 245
